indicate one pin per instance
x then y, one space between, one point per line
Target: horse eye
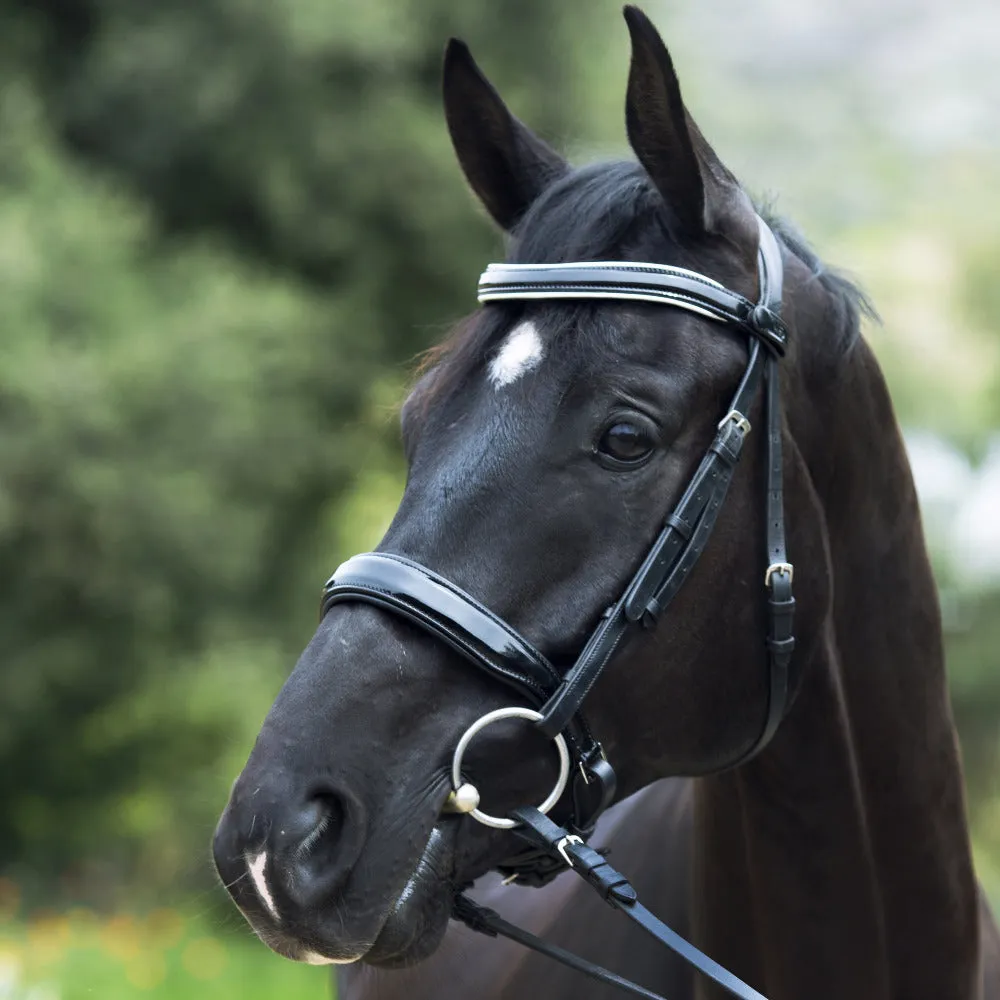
626 442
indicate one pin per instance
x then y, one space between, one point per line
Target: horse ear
506 164
701 194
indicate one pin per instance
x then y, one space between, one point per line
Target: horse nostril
315 825
293 850
323 816
319 845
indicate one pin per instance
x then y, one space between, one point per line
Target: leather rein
438 606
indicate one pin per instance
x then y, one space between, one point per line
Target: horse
800 816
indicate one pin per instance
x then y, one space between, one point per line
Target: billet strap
780 639
777 577
616 890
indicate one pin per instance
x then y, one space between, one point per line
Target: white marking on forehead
519 353
256 868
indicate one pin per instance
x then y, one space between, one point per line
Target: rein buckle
781 567
570 838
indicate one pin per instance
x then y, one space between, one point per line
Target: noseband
436 605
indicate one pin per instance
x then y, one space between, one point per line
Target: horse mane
604 211
852 299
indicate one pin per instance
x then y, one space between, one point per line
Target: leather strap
438 606
616 890
694 516
625 280
780 639
489 922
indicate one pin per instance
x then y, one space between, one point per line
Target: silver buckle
778 568
738 419
604 756
570 838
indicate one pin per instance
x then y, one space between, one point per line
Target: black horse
546 443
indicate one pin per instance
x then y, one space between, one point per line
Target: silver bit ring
530 715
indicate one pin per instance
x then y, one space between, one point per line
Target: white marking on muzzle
314 958
519 353
256 868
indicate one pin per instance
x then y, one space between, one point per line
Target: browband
659 283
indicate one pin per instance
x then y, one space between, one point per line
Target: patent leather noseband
436 605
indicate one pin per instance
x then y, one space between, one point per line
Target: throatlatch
444 610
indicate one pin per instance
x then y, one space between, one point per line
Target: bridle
436 605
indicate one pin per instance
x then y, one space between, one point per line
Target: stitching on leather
667 294
664 271
588 682
511 290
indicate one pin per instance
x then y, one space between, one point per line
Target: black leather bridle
436 605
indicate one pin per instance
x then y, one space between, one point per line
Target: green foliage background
226 229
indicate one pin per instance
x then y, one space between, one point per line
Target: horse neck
838 862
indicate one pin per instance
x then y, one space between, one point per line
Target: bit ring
515 712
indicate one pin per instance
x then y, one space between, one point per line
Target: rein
438 606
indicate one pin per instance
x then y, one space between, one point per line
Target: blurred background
226 229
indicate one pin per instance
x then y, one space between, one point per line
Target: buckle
783 567
596 752
570 838
737 418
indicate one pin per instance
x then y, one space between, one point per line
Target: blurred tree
157 409
221 224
